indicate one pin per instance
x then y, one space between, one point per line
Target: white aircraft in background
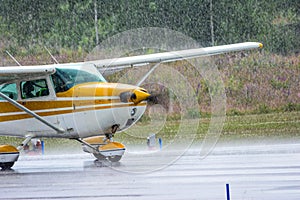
74 101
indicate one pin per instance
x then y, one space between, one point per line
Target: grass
284 125
273 125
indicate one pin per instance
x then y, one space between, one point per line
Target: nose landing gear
103 147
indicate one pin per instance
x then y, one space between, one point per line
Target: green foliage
291 107
234 112
276 84
71 24
193 114
266 79
263 109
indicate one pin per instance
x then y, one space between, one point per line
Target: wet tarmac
252 171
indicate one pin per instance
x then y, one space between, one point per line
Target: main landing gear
103 147
10 154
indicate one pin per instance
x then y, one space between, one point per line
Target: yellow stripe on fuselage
81 97
59 107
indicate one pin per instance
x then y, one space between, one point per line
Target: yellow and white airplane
75 101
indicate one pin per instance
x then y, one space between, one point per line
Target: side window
58 83
9 90
34 88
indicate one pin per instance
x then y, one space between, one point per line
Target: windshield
65 78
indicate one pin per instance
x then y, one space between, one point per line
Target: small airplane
75 101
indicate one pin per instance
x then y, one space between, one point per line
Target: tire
99 156
114 158
6 166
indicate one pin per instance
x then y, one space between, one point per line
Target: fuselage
76 99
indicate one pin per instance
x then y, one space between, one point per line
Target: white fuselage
74 99
81 124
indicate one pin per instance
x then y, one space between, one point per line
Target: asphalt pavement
252 171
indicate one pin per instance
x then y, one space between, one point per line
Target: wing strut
13 58
146 75
51 55
27 139
16 104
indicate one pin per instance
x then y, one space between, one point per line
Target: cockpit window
65 78
34 88
9 90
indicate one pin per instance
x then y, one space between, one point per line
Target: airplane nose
139 95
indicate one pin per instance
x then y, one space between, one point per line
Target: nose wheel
103 147
114 158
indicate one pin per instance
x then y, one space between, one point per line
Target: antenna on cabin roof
51 55
13 58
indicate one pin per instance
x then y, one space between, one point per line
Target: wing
8 74
118 64
108 66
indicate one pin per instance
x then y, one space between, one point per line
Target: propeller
140 94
